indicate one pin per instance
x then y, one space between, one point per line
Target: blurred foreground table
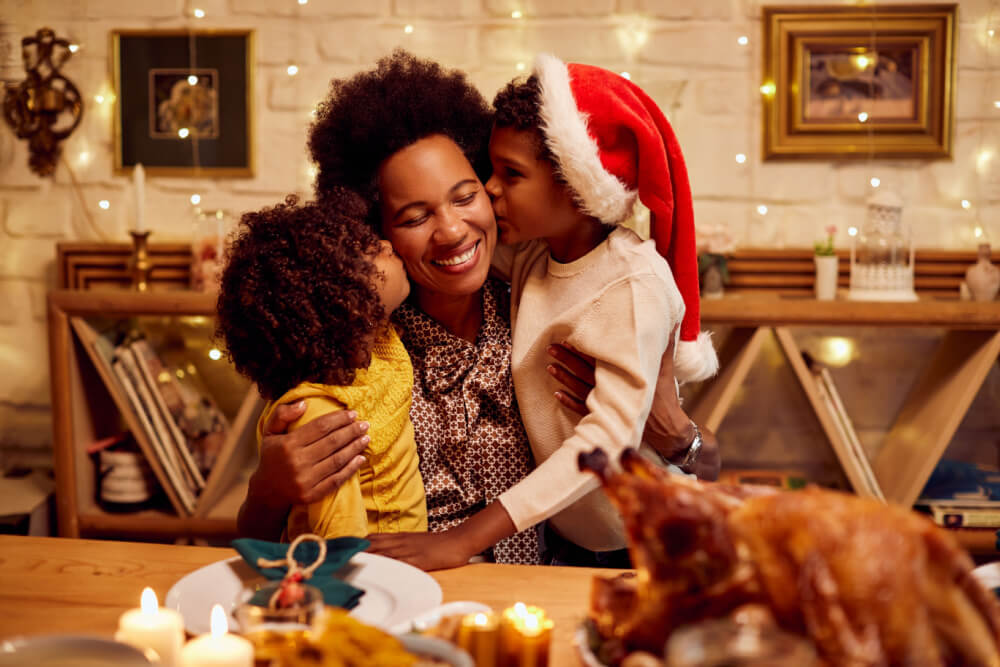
72 586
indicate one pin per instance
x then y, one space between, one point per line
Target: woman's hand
300 467
575 371
428 551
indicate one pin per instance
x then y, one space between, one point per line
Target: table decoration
525 636
152 627
479 636
219 648
280 562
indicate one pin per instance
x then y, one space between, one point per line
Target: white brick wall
683 52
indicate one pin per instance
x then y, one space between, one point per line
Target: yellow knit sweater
387 494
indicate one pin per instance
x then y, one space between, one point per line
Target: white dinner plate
394 591
68 651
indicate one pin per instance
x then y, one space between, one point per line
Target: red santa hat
612 143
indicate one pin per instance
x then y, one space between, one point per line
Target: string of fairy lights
633 36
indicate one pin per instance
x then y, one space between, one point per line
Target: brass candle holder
139 265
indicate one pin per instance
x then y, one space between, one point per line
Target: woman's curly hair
372 115
298 299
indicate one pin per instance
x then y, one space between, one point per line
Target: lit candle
525 637
139 181
220 648
152 627
479 636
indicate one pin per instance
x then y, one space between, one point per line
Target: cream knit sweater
618 303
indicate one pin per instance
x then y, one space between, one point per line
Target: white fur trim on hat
598 191
696 359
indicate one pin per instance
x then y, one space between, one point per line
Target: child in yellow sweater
304 309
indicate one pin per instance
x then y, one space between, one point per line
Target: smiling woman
411 138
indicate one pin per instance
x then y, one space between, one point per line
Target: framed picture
859 81
184 102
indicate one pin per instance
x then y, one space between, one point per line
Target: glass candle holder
272 631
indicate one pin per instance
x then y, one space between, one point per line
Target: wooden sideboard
934 406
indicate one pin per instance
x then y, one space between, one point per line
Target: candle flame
148 601
520 609
480 619
531 623
218 622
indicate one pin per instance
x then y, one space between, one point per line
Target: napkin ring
290 591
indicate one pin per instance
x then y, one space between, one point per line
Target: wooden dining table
71 586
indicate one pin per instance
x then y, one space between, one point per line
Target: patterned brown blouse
470 438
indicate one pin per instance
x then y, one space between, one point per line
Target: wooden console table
934 406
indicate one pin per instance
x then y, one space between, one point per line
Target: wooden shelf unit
84 410
933 408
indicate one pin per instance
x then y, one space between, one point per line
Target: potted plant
714 244
827 266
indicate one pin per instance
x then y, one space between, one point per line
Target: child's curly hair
517 106
298 300
372 115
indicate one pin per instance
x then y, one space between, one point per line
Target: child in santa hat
572 148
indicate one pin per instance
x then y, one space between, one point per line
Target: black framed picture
184 102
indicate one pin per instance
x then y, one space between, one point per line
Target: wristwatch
687 459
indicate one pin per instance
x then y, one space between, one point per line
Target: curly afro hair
517 106
372 115
298 299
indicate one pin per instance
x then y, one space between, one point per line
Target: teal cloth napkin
336 593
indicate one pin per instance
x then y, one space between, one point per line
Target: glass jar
881 263
728 643
211 228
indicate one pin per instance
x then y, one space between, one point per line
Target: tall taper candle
139 181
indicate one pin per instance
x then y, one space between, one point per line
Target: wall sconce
46 107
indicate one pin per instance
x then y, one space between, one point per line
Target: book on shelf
153 430
157 378
962 494
851 454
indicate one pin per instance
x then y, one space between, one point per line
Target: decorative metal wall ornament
46 107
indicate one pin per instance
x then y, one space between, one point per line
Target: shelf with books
144 363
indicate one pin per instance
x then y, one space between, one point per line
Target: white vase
827 268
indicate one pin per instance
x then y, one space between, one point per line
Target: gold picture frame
184 102
858 81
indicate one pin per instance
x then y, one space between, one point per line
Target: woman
412 138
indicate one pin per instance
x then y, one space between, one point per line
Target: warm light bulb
192 79
875 182
148 602
183 133
966 204
741 158
742 40
978 231
408 29
99 99
312 171
84 157
214 354
179 373
293 70
105 204
195 199
762 209
219 214
199 13
990 32
996 103
303 2
516 14
626 76
862 62
836 351
767 89
73 48
218 621
863 116
852 231
520 67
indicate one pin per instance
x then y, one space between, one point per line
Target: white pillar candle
139 181
152 627
219 648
